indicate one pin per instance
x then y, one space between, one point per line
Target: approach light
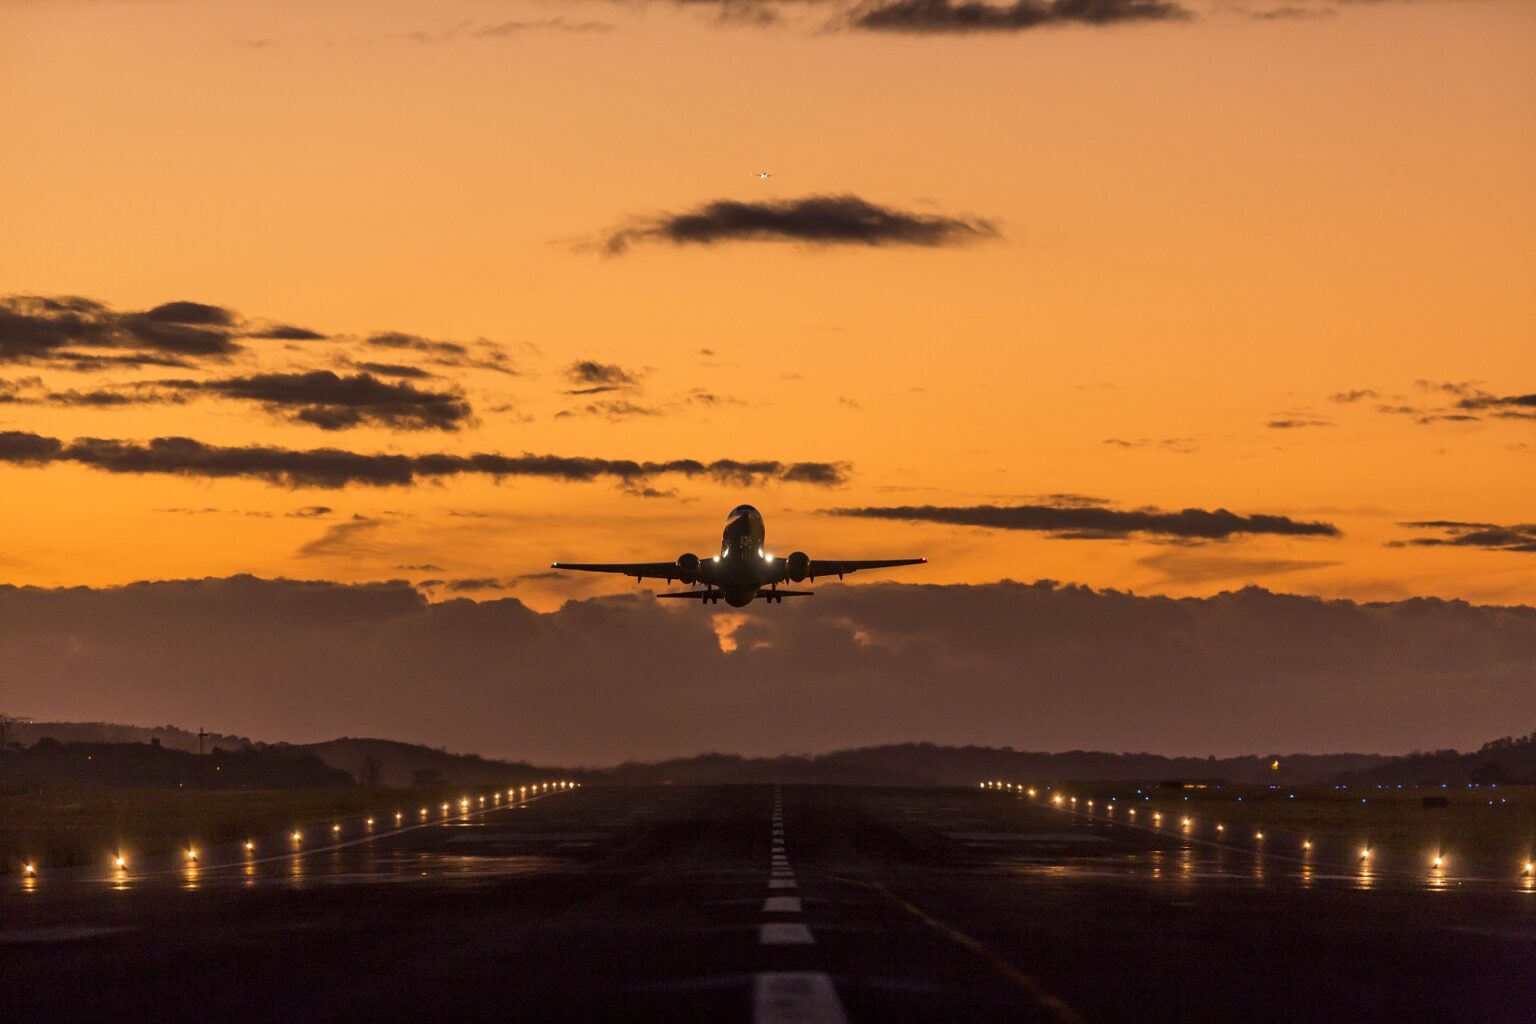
120 862
1258 837
250 844
1306 844
445 808
369 823
1221 828
1188 822
1365 853
297 835
399 817
1031 792
191 854
335 828
1439 860
1530 866
1131 812
29 869
1056 799
424 812
1157 816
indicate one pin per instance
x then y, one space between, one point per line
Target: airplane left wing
639 570
834 567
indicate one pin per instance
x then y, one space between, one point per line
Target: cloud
596 681
483 355
336 468
342 538
1519 537
1503 406
1296 423
395 370
326 400
502 30
39 328
589 377
286 332
1176 445
813 220
1293 13
1354 395
1079 522
964 16
1185 566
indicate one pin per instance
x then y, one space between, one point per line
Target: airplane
743 570
762 175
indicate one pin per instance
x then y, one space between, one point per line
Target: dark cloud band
812 220
933 17
1079 522
334 467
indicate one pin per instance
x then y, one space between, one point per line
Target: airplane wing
833 567
639 570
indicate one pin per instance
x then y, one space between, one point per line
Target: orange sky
1203 227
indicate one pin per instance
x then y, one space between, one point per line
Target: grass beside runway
1485 830
66 826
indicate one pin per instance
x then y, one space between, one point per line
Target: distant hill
1508 760
930 764
399 765
51 763
27 733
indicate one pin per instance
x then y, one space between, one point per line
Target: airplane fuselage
744 565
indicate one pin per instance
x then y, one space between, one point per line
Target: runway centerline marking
786 934
783 883
781 905
796 998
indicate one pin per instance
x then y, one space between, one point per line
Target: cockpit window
744 510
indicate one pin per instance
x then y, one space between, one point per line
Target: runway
801 904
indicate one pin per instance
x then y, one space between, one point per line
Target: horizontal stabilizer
699 595
785 593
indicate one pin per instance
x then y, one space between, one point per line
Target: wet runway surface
806 904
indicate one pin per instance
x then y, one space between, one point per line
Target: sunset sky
1041 268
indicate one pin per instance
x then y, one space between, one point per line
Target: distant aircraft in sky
762 175
743 570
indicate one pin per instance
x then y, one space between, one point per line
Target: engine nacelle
797 566
688 567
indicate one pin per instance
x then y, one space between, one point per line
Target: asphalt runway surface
806 905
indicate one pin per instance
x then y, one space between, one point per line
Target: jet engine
688 567
797 566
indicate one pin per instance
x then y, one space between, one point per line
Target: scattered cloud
1177 445
1297 423
346 538
1519 537
69 328
502 30
1185 566
336 468
1095 522
931 17
812 220
482 355
589 377
1353 395
329 401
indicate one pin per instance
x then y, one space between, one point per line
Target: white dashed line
795 998
781 905
795 934
783 883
